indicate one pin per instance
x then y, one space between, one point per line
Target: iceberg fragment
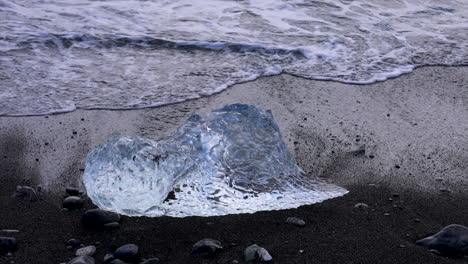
233 160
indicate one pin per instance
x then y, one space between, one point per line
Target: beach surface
400 146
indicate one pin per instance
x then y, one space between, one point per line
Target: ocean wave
56 57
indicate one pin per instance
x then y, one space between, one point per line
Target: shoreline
218 91
408 131
405 136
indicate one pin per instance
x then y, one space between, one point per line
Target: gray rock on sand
25 192
97 218
295 221
108 258
72 202
128 252
151 261
111 226
73 242
118 261
452 240
86 251
206 247
82 260
9 231
256 253
361 206
7 244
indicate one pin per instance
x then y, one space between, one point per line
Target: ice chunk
233 160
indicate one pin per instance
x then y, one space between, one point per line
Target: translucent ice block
233 160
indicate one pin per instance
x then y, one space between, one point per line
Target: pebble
86 251
72 202
82 260
108 258
206 247
25 192
9 231
7 244
254 252
295 221
117 261
72 191
97 218
111 226
151 261
361 206
128 252
452 240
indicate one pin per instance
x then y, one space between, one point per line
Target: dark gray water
56 56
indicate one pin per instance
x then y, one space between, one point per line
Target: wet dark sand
408 136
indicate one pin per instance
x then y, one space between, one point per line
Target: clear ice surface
231 161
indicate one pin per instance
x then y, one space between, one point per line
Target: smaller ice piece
231 161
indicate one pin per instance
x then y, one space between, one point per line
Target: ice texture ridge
233 160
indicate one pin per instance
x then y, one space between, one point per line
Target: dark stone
86 251
82 260
111 226
206 247
361 206
256 253
151 261
295 221
26 193
97 218
7 244
73 202
118 261
72 191
73 242
108 258
452 240
128 252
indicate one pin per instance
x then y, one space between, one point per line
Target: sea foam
57 57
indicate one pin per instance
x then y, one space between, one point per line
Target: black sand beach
400 146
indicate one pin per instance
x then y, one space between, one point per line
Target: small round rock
117 261
111 226
72 202
97 218
108 258
86 251
206 247
82 260
295 221
255 252
73 242
452 240
25 192
128 252
151 261
7 244
361 206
